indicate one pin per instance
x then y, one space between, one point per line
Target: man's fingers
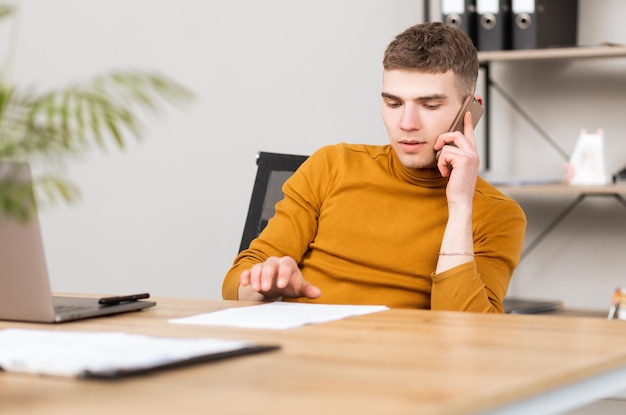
244 278
268 275
278 276
256 275
311 291
283 277
455 139
468 129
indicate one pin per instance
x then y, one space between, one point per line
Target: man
408 224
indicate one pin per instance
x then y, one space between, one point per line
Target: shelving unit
486 59
581 192
581 52
563 189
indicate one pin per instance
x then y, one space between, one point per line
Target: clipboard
109 355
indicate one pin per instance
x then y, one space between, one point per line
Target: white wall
166 215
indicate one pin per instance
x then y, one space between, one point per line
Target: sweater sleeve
296 216
481 286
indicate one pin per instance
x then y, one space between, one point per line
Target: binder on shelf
544 23
494 24
460 14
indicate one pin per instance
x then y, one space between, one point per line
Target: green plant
52 125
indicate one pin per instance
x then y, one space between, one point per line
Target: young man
408 224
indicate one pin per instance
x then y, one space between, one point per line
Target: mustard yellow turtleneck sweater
367 230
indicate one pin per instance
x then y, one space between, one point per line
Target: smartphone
469 104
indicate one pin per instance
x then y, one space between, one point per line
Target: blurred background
166 214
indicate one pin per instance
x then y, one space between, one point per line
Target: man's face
417 108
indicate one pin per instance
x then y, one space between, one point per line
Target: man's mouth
411 145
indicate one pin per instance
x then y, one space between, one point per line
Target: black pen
122 299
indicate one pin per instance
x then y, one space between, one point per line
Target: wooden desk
394 362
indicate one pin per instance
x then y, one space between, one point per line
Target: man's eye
393 104
432 106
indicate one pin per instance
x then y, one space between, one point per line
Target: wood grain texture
394 362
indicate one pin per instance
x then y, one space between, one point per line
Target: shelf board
602 51
563 189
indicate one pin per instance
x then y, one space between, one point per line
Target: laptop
25 293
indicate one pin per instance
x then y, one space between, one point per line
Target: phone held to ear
469 104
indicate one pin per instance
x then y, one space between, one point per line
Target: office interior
165 215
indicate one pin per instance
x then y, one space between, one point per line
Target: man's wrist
460 209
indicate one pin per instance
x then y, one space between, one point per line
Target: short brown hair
435 47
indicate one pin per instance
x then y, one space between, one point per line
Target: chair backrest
273 169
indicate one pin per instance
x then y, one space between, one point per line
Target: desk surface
393 362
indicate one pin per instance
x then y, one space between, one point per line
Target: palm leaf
67 121
17 198
6 10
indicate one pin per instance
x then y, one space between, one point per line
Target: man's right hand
275 278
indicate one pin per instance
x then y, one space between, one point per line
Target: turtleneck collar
422 177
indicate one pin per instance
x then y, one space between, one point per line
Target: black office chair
272 171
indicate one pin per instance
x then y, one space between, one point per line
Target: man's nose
410 118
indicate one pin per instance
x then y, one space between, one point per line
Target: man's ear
480 100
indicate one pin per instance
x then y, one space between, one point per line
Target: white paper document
102 354
279 315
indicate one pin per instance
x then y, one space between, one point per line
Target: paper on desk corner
279 315
77 354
